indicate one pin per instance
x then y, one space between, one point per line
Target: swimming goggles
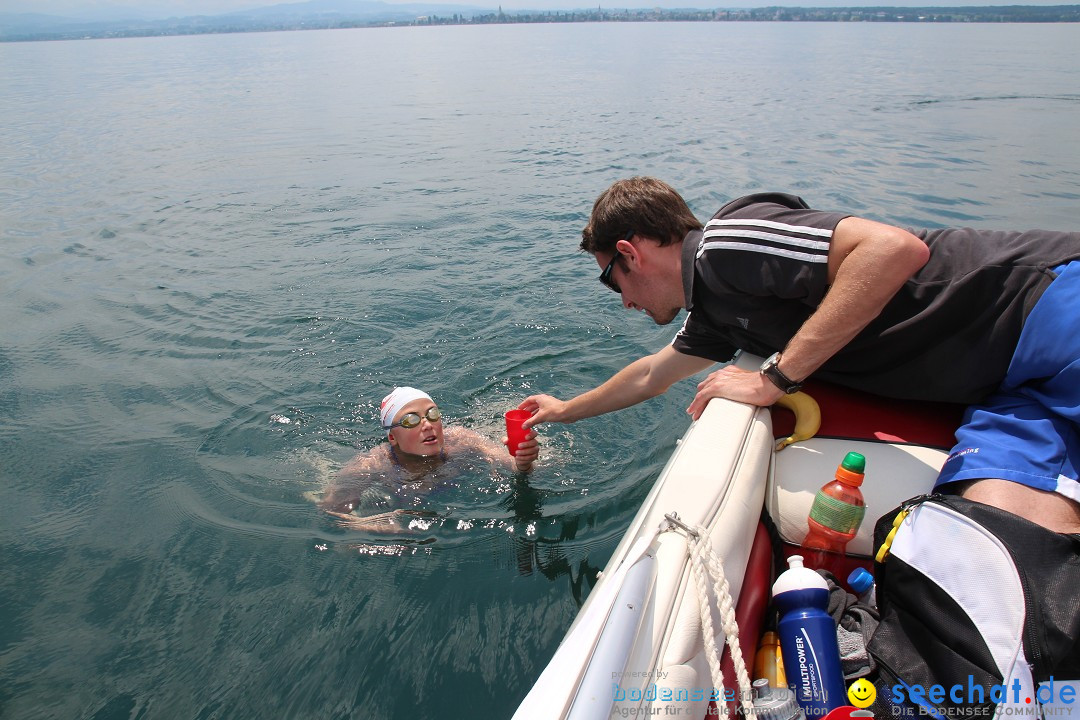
411 420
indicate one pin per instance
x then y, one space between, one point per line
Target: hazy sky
165 8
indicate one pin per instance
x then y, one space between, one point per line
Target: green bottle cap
854 462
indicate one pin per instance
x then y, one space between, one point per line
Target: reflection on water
450 514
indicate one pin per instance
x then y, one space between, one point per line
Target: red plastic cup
514 432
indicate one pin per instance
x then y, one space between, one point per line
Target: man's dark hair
644 205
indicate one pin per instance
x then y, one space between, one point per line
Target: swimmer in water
417 445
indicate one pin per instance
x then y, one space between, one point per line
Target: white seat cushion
894 473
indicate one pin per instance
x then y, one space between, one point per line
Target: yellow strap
883 551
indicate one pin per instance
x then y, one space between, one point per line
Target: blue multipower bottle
808 640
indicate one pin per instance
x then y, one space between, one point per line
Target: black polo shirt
759 270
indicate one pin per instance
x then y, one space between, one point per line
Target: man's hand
527 452
544 408
732 383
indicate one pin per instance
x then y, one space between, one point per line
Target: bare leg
1051 510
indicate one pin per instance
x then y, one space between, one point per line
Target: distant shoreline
240 24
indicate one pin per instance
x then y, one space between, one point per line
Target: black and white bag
980 613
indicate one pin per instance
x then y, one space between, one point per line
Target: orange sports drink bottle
835 517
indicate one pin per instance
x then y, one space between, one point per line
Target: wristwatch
770 370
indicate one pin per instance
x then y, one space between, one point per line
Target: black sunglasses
605 275
411 420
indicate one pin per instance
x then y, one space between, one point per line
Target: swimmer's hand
544 408
388 522
527 452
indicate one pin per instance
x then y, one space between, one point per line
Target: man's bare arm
868 263
640 380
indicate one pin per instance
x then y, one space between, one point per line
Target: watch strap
770 369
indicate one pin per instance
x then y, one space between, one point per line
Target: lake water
218 253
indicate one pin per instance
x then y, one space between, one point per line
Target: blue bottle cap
860 580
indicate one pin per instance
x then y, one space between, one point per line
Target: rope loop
704 563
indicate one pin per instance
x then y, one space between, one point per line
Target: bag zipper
905 509
1032 613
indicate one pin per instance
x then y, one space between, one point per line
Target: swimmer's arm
394 521
369 463
352 479
527 452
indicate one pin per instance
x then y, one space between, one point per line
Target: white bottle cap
798 577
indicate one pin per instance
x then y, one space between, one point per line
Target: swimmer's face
424 439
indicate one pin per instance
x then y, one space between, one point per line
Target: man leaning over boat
985 318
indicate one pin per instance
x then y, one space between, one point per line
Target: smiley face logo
862 693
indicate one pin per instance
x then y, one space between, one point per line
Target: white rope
703 561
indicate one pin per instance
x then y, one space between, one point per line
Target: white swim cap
399 398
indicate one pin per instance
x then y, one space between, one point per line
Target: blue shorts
1029 430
